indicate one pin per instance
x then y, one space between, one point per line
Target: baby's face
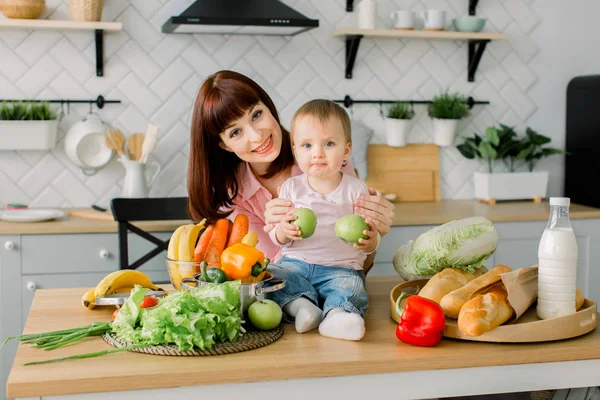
320 149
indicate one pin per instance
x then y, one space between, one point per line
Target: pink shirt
324 247
252 199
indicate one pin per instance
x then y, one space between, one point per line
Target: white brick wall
156 77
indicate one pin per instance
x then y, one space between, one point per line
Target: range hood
241 17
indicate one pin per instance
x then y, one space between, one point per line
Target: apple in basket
265 314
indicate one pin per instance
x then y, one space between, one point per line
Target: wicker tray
527 329
252 339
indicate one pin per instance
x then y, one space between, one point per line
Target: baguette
447 280
485 312
453 301
578 299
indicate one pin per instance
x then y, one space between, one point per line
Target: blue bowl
468 24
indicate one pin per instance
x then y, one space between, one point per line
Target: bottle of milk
557 264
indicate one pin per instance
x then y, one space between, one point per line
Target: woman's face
255 137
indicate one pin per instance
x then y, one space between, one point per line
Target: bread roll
485 312
453 301
578 298
447 280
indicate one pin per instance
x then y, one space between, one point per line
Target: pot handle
274 285
185 281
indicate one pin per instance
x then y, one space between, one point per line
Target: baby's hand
285 230
370 244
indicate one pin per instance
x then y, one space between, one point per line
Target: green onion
55 339
87 355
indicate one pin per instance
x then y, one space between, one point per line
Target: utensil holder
86 10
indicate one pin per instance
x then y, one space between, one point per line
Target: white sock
340 324
308 316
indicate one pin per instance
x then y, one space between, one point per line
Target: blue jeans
327 287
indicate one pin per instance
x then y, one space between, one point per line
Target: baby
322 270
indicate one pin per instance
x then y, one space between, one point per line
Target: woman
239 156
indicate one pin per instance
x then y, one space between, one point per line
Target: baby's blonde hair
323 110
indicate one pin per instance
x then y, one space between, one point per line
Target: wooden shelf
477 42
97 27
416 34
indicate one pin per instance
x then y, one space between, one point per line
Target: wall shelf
97 27
477 42
472 6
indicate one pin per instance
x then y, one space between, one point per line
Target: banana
173 250
88 299
122 279
187 241
250 238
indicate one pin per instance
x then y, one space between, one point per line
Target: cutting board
91 214
411 173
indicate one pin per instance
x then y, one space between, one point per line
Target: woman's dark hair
213 172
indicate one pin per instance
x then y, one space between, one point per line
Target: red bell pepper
422 321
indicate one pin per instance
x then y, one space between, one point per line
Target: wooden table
302 365
406 214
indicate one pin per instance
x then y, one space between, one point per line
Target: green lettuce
464 244
198 318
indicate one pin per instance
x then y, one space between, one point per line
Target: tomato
114 315
149 302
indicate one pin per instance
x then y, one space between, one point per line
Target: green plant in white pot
503 144
446 110
398 124
26 125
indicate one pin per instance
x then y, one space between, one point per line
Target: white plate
30 215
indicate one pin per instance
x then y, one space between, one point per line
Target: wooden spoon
115 140
134 146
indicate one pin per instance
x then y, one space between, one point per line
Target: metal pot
249 292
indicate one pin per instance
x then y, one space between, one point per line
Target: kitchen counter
406 214
299 362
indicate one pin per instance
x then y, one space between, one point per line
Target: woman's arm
377 209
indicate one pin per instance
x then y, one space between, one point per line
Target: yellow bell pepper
243 262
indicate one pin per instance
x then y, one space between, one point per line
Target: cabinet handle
104 254
31 286
9 245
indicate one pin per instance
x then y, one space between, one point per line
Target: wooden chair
145 209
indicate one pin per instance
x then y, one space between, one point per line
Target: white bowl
84 144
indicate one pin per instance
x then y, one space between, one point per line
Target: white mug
434 20
366 14
403 19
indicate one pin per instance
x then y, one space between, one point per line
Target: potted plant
27 126
502 144
446 110
398 124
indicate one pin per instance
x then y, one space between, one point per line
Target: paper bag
521 286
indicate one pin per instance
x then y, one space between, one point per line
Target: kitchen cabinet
32 262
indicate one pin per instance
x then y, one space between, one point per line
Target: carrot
217 243
203 242
238 231
229 230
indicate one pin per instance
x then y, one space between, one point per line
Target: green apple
306 221
265 314
350 228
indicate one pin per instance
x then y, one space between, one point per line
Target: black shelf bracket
349 5
99 34
352 43
349 101
476 49
472 6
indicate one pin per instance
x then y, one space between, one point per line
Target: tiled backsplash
156 77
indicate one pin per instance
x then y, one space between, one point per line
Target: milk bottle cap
560 201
